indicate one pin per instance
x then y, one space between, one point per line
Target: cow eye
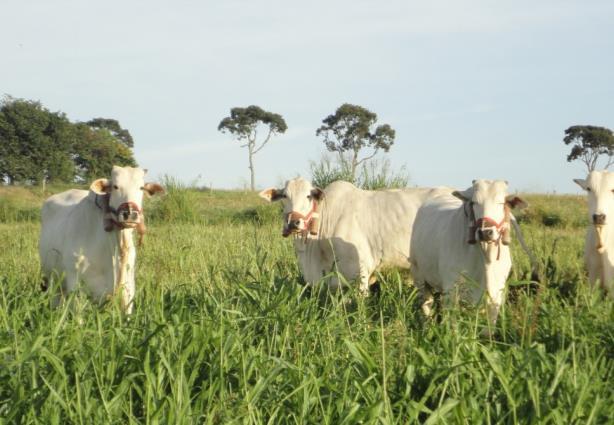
588 189
115 187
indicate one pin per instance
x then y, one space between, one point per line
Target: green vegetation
350 130
39 146
374 174
222 334
588 144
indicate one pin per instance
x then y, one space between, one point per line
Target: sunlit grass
223 333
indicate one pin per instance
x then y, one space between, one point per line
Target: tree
350 130
96 150
114 128
35 144
243 123
589 143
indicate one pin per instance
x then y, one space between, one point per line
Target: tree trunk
251 167
354 164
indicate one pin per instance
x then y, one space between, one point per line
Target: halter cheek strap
484 222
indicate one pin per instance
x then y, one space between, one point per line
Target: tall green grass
224 333
374 174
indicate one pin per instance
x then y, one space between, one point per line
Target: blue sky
474 89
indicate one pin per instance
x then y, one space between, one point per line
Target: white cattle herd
454 242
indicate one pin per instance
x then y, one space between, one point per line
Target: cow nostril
599 218
485 233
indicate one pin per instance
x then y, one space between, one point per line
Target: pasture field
222 332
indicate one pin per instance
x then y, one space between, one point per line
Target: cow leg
426 294
496 295
608 276
427 300
594 267
54 284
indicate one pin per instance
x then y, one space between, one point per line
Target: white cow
459 245
599 248
359 231
88 235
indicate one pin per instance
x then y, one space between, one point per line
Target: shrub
179 204
372 175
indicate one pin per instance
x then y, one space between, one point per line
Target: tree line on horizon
40 146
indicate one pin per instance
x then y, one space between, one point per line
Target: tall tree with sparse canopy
243 123
350 130
589 143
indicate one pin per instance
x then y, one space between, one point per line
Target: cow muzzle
128 214
294 224
599 219
487 234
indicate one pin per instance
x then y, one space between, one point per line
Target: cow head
300 200
123 195
488 207
600 188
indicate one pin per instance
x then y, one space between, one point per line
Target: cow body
87 236
74 243
447 260
599 246
360 231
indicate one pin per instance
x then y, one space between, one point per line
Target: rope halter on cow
311 222
111 216
483 223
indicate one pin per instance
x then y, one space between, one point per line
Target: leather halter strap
307 219
111 214
491 223
125 205
475 224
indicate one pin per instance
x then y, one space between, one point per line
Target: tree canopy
243 124
351 129
38 145
113 127
589 143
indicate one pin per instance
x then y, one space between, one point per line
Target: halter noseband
485 222
111 214
309 221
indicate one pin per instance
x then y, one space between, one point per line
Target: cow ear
514 201
152 188
581 183
272 194
317 194
464 195
100 186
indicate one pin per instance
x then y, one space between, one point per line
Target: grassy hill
222 332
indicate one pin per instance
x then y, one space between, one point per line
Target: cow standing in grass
460 245
599 247
353 231
88 235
